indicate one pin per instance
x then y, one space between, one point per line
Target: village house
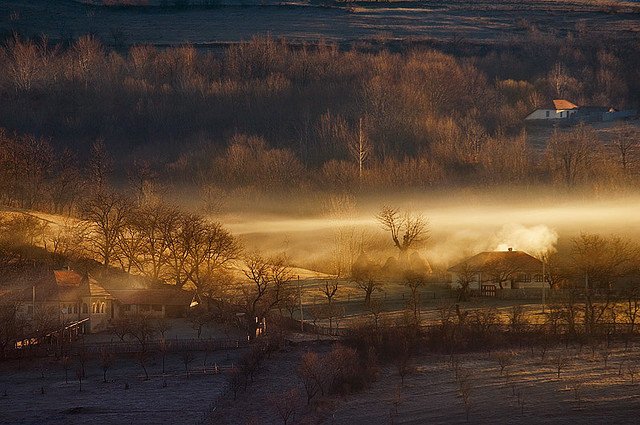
78 299
561 110
557 109
166 302
488 271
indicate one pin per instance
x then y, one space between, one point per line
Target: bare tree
407 230
235 380
360 148
106 362
364 275
187 358
561 361
560 81
65 361
285 404
142 329
414 282
268 278
11 326
599 262
99 167
632 371
571 155
107 214
404 363
625 141
309 372
466 277
329 289
504 360
143 358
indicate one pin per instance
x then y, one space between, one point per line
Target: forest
269 116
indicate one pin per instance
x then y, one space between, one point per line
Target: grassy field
478 22
527 391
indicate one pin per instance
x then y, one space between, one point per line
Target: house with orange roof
561 110
493 270
70 295
78 298
557 109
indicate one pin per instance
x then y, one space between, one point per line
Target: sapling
632 371
79 376
605 354
561 362
504 359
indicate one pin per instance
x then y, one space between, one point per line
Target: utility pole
301 312
586 281
544 285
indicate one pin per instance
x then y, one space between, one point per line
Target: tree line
266 114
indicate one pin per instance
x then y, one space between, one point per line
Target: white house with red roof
555 110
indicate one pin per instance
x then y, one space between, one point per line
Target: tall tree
107 214
406 229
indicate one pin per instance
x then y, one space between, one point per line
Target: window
94 308
75 309
524 277
539 278
85 308
548 113
126 307
157 307
102 306
144 307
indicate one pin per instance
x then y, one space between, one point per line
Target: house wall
99 313
534 281
155 310
551 114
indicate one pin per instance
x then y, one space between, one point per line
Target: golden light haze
459 226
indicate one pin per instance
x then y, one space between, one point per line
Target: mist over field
460 225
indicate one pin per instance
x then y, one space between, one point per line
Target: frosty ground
586 391
36 392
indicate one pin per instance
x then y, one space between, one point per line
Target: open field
36 392
480 22
430 394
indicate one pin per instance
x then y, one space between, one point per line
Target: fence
128 347
168 345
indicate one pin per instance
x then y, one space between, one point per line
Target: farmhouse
555 110
499 269
166 302
79 298
560 110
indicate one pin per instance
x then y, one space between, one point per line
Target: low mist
458 227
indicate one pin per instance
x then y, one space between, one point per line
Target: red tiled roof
563 104
512 260
67 277
65 286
